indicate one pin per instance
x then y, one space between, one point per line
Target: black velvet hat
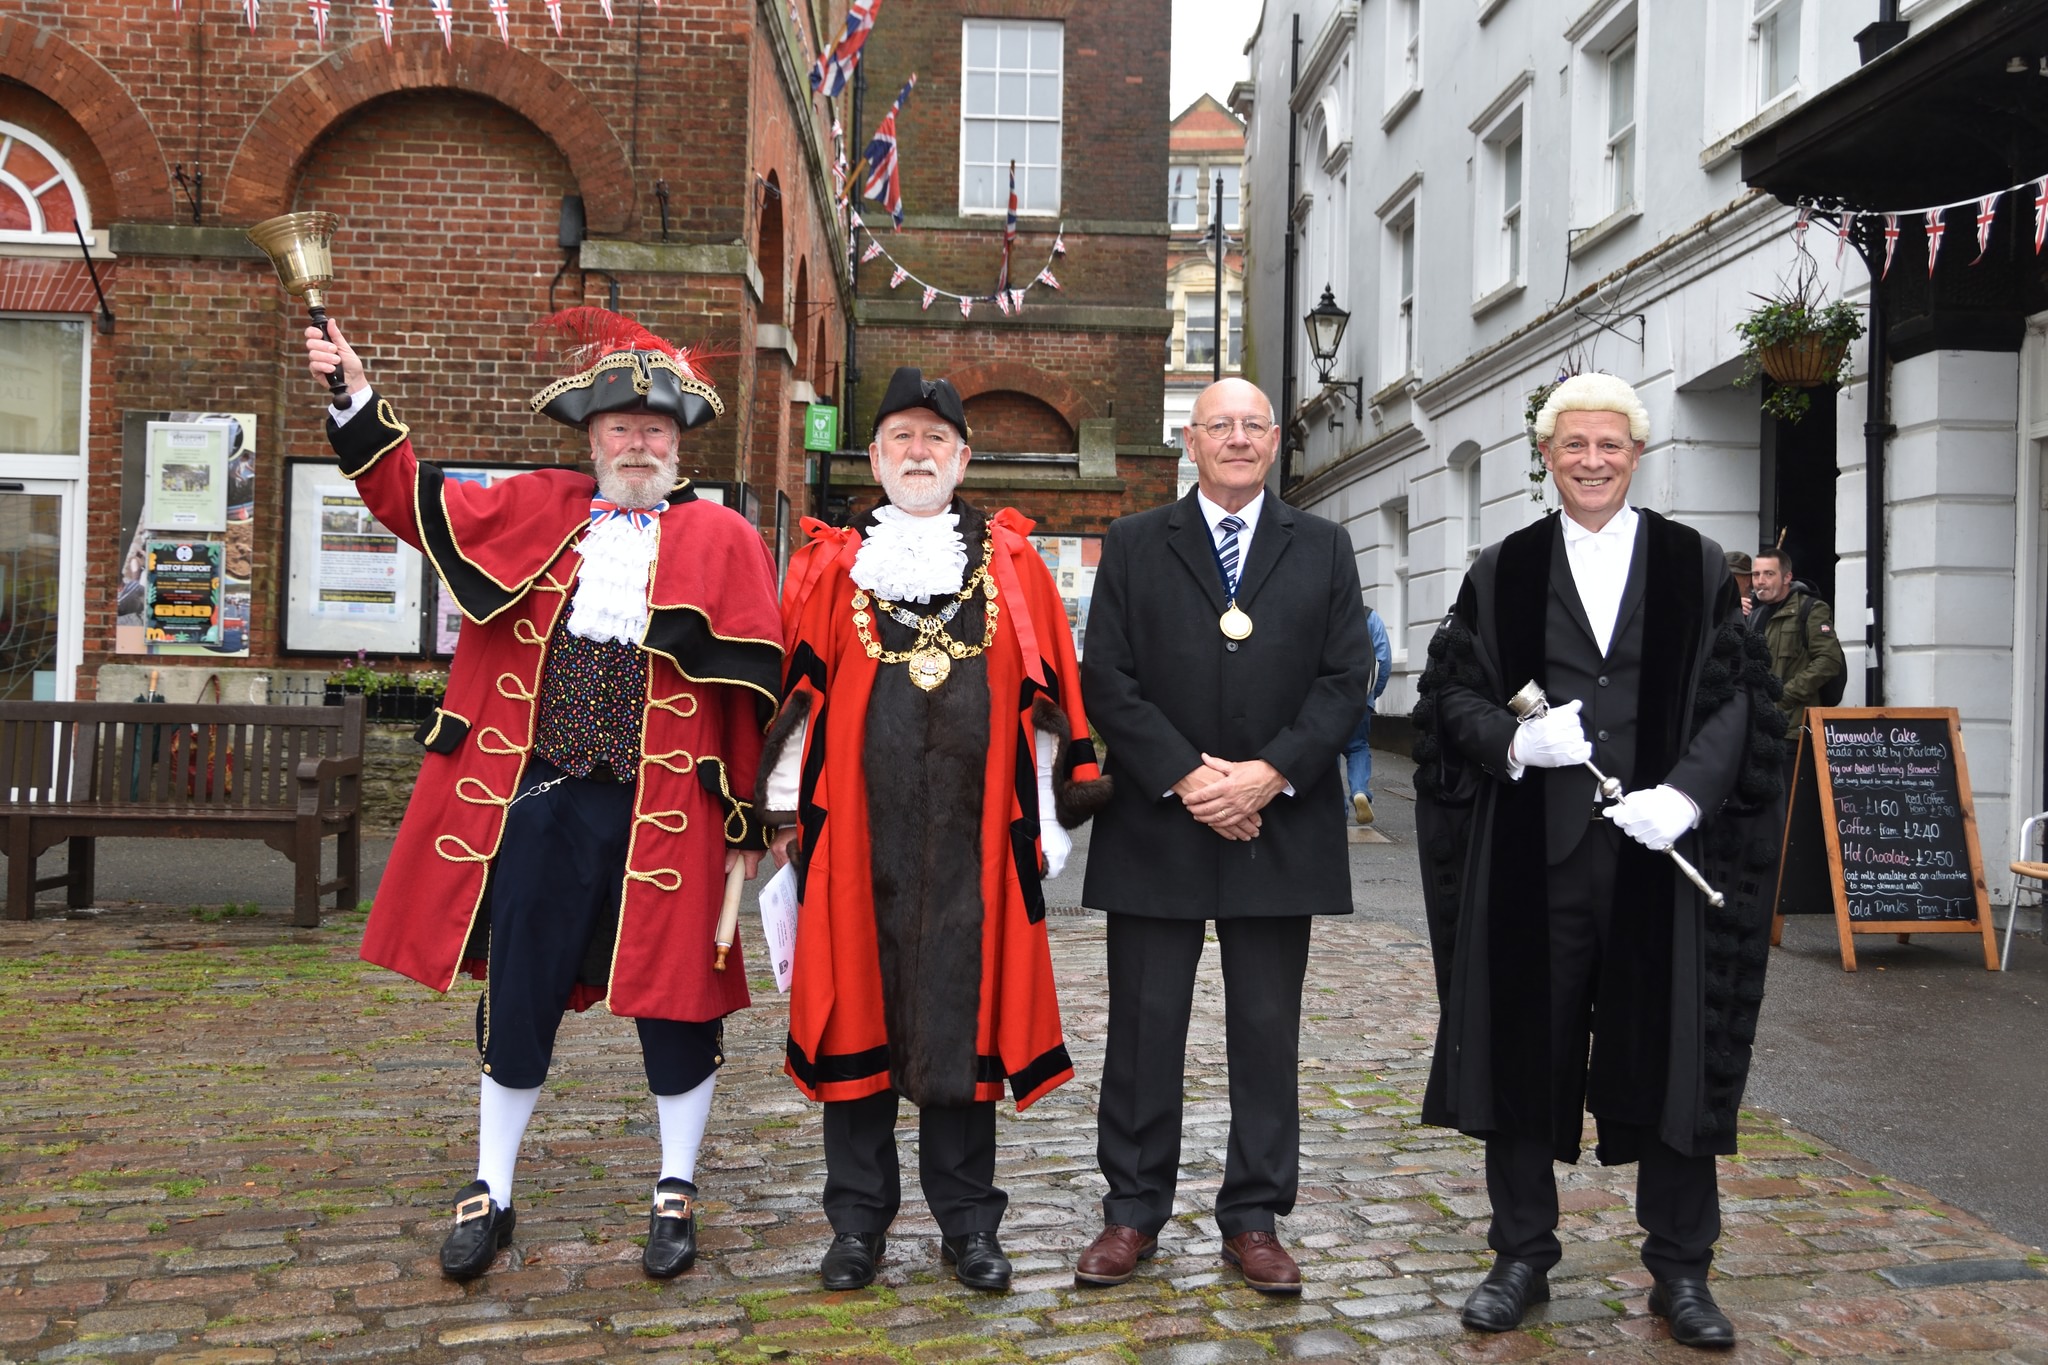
630 370
908 388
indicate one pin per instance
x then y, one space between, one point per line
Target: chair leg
306 876
80 865
21 870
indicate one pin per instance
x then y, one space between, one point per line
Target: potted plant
357 677
1533 408
1798 340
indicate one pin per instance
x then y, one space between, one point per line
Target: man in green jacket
1805 654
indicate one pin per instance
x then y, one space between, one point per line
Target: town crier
931 753
577 812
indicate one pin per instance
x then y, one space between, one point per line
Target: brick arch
121 134
991 375
260 179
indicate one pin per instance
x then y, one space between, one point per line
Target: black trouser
556 881
1151 993
1677 1202
956 1165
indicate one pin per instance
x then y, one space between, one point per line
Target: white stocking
502 1116
682 1128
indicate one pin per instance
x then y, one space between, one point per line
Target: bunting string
1010 301
1934 221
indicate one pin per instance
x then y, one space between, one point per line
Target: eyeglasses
1613 450
1219 430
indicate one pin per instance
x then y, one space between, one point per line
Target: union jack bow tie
602 509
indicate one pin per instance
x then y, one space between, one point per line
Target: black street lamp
1326 323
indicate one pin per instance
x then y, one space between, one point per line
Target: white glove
1055 841
1057 844
1654 817
1553 740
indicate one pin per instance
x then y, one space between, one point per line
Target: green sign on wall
821 427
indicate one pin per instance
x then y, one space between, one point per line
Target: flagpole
1216 313
852 379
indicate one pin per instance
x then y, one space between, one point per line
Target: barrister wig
626 369
1594 393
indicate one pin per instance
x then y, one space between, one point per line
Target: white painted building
1497 188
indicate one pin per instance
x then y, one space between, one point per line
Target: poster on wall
192 474
182 592
350 583
1073 561
355 568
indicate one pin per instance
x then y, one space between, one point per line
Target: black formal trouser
1677 1202
1151 993
956 1165
556 882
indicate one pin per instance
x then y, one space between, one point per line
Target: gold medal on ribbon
1234 623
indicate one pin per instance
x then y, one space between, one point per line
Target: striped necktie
1227 554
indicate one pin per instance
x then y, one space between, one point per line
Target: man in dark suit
1228 661
1571 932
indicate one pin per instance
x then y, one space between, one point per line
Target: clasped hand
1654 817
1555 739
1227 796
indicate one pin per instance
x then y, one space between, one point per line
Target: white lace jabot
911 559
611 587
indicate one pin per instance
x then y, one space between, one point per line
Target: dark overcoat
1163 687
1678 992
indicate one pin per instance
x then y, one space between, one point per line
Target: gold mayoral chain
931 658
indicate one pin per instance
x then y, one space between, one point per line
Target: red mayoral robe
839 1045
508 556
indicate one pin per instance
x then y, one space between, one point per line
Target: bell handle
336 385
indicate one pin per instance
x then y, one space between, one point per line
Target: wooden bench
77 771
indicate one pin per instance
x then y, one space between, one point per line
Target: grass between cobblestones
228 1142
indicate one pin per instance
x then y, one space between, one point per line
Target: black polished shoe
671 1229
977 1260
1695 1319
1509 1290
481 1231
851 1260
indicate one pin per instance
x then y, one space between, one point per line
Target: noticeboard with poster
190 477
1073 560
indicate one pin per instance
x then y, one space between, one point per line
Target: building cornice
1330 44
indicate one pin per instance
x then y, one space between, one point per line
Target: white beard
919 497
623 490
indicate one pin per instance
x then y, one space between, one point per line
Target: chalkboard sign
1882 829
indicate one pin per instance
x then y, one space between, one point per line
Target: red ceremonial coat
507 554
838 1041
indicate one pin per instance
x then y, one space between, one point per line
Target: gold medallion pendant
929 666
1234 623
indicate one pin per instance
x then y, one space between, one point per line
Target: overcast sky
1208 47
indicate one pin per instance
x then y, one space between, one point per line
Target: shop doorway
1798 495
38 650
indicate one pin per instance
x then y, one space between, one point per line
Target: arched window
769 253
40 197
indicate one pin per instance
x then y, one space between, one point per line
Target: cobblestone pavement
231 1142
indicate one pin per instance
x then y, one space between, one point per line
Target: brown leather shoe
1265 1264
1113 1256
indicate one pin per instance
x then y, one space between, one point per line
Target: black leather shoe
671 1229
1508 1291
851 1260
481 1231
1695 1319
977 1260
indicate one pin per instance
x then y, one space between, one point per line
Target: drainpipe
1286 405
1886 33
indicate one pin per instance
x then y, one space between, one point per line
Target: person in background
1358 751
1739 568
1800 632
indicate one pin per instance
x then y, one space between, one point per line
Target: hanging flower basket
1803 362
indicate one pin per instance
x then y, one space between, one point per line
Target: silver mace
1528 704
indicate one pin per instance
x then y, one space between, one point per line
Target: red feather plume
597 332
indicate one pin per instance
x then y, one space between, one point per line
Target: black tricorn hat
908 388
631 370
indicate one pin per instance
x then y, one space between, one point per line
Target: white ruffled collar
911 559
611 585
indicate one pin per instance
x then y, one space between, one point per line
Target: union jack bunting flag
1045 276
885 174
1891 242
832 70
874 250
1799 225
1844 229
2040 211
444 15
606 6
319 8
930 293
1987 213
1016 300
384 15
1009 236
1935 227
555 13
1059 244
1003 301
501 10
898 276
249 8
966 306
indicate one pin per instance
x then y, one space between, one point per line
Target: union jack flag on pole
884 180
319 8
1009 236
832 70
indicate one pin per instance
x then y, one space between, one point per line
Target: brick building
685 135
1064 396
1206 147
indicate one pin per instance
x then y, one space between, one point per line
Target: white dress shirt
1599 561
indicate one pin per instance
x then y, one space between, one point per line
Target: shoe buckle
673 1204
470 1209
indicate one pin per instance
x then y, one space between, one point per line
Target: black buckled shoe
1695 1319
1509 1290
851 1260
671 1229
977 1260
481 1231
